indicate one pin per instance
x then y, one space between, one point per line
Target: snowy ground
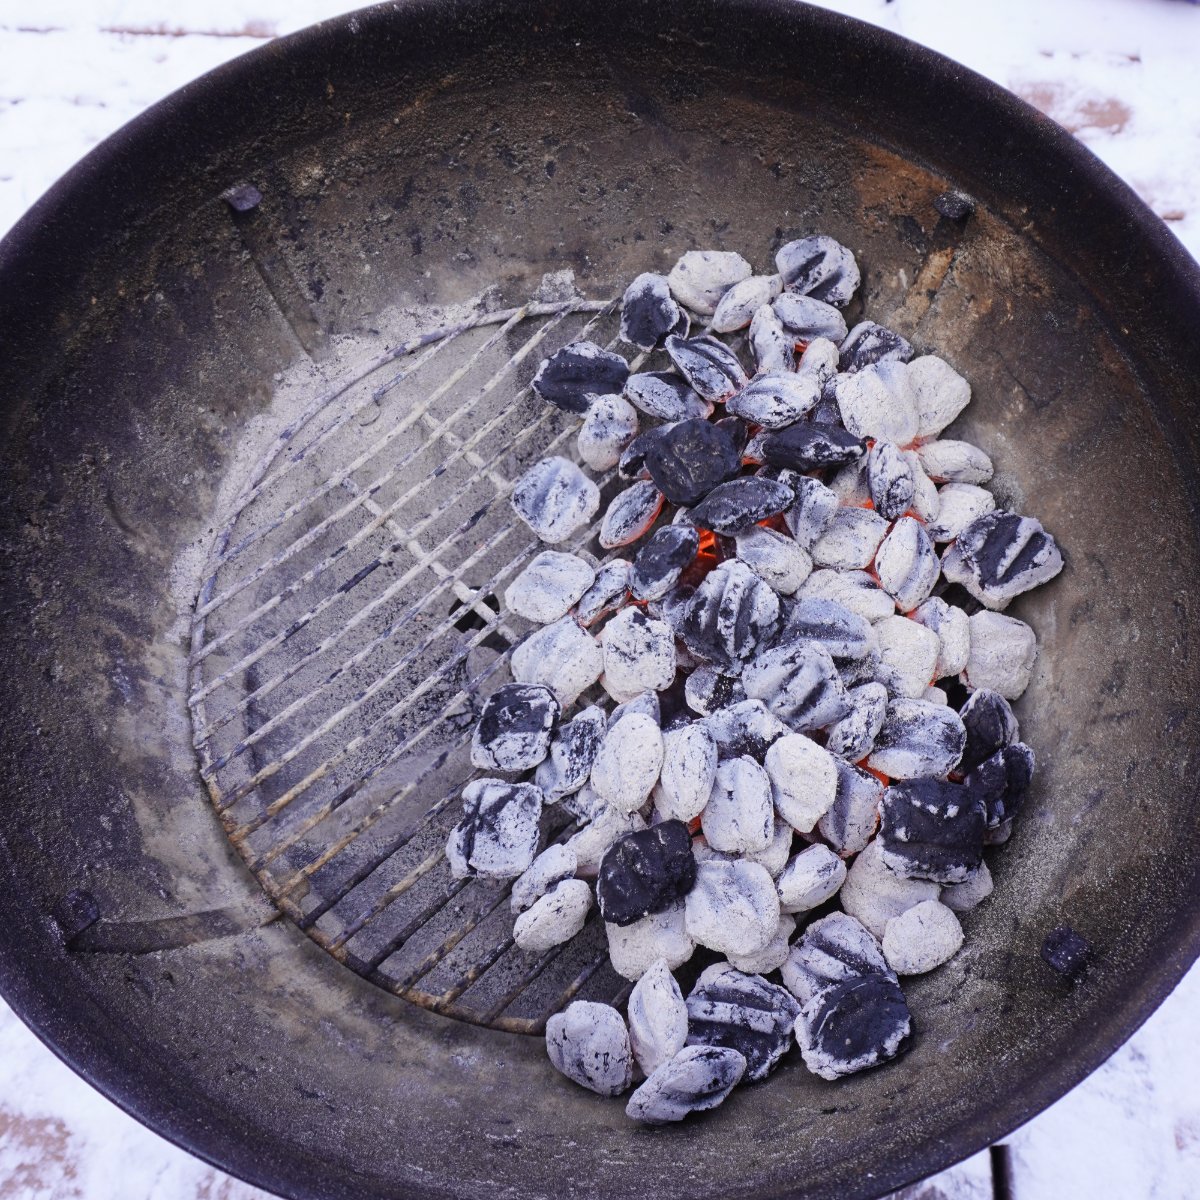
1120 74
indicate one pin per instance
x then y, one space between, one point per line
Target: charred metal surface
417 156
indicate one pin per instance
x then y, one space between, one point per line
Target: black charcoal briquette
579 370
687 460
645 872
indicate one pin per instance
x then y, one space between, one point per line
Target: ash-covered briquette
851 541
708 365
774 558
572 754
1002 782
811 445
853 817
932 829
607 593
555 498
949 461
610 425
774 349
771 957
855 590
701 277
630 515
744 728
844 634
665 396
738 818
976 888
926 501
628 762
819 267
515 728
554 918
811 511
890 480
1000 555
658 1018
706 689
733 907
867 344
877 402
809 879
548 587
941 393
562 657
646 872
918 738
775 399
689 769
743 1013
633 949
571 376
497 837
556 863
1066 951
589 1044
644 702
732 507
953 631
1003 651
853 1014
907 564
604 825
799 683
639 654
960 504
991 725
687 460
853 737
661 561
697 1079
649 312
908 653
729 616
737 306
805 318
874 894
803 778
922 938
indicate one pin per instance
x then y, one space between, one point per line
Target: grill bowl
410 157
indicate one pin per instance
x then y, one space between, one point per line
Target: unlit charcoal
688 459
941 393
639 654
774 558
572 754
803 778
555 918
850 542
772 956
949 461
811 445
774 349
909 652
973 891
730 615
853 737
819 267
689 770
806 318
737 306
610 425
707 689
646 872
874 894
708 365
868 344
605 826
607 593
562 657
701 277
959 505
854 590
990 724
697 1079
730 508
549 586
843 633
853 1013
890 480
953 631
775 399
810 879
744 1013
733 907
744 728
1002 782
738 816
665 396
589 1044
550 868
628 762
658 1018
649 312
630 514
877 402
555 498
853 816
1000 555
1003 651
907 564
633 949
918 739
811 511
931 829
515 728
580 370
798 683
497 837
661 561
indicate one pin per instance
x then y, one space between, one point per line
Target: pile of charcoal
799 625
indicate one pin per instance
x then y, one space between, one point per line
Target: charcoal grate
347 629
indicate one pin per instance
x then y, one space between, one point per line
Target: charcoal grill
266 353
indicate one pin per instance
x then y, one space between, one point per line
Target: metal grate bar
398 940
576 986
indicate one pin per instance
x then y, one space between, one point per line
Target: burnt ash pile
803 571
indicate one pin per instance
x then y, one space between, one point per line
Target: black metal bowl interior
416 154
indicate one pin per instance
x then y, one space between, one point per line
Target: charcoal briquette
580 370
607 593
1000 555
708 365
772 956
868 343
734 506
926 502
809 445
889 480
851 540
820 359
878 402
738 816
799 683
855 590
959 504
922 938
497 837
551 867
774 558
661 561
646 872
649 312
1066 951
665 396
908 653
805 318
820 267
737 306
555 498
907 564
562 657
515 727
1002 782
809 879
853 816
589 1044
733 907
697 1079
918 739
658 1018
701 277
931 829
595 837
689 770
745 727
873 893
977 887
941 394
812 510
628 762
853 737
572 754
776 399
610 425
555 918
632 463
688 459
707 690
1003 651
949 461
843 633
991 725
953 631
774 349
548 587
803 779
633 949
630 514
639 654
729 616
645 703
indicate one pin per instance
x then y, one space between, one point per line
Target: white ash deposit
777 703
